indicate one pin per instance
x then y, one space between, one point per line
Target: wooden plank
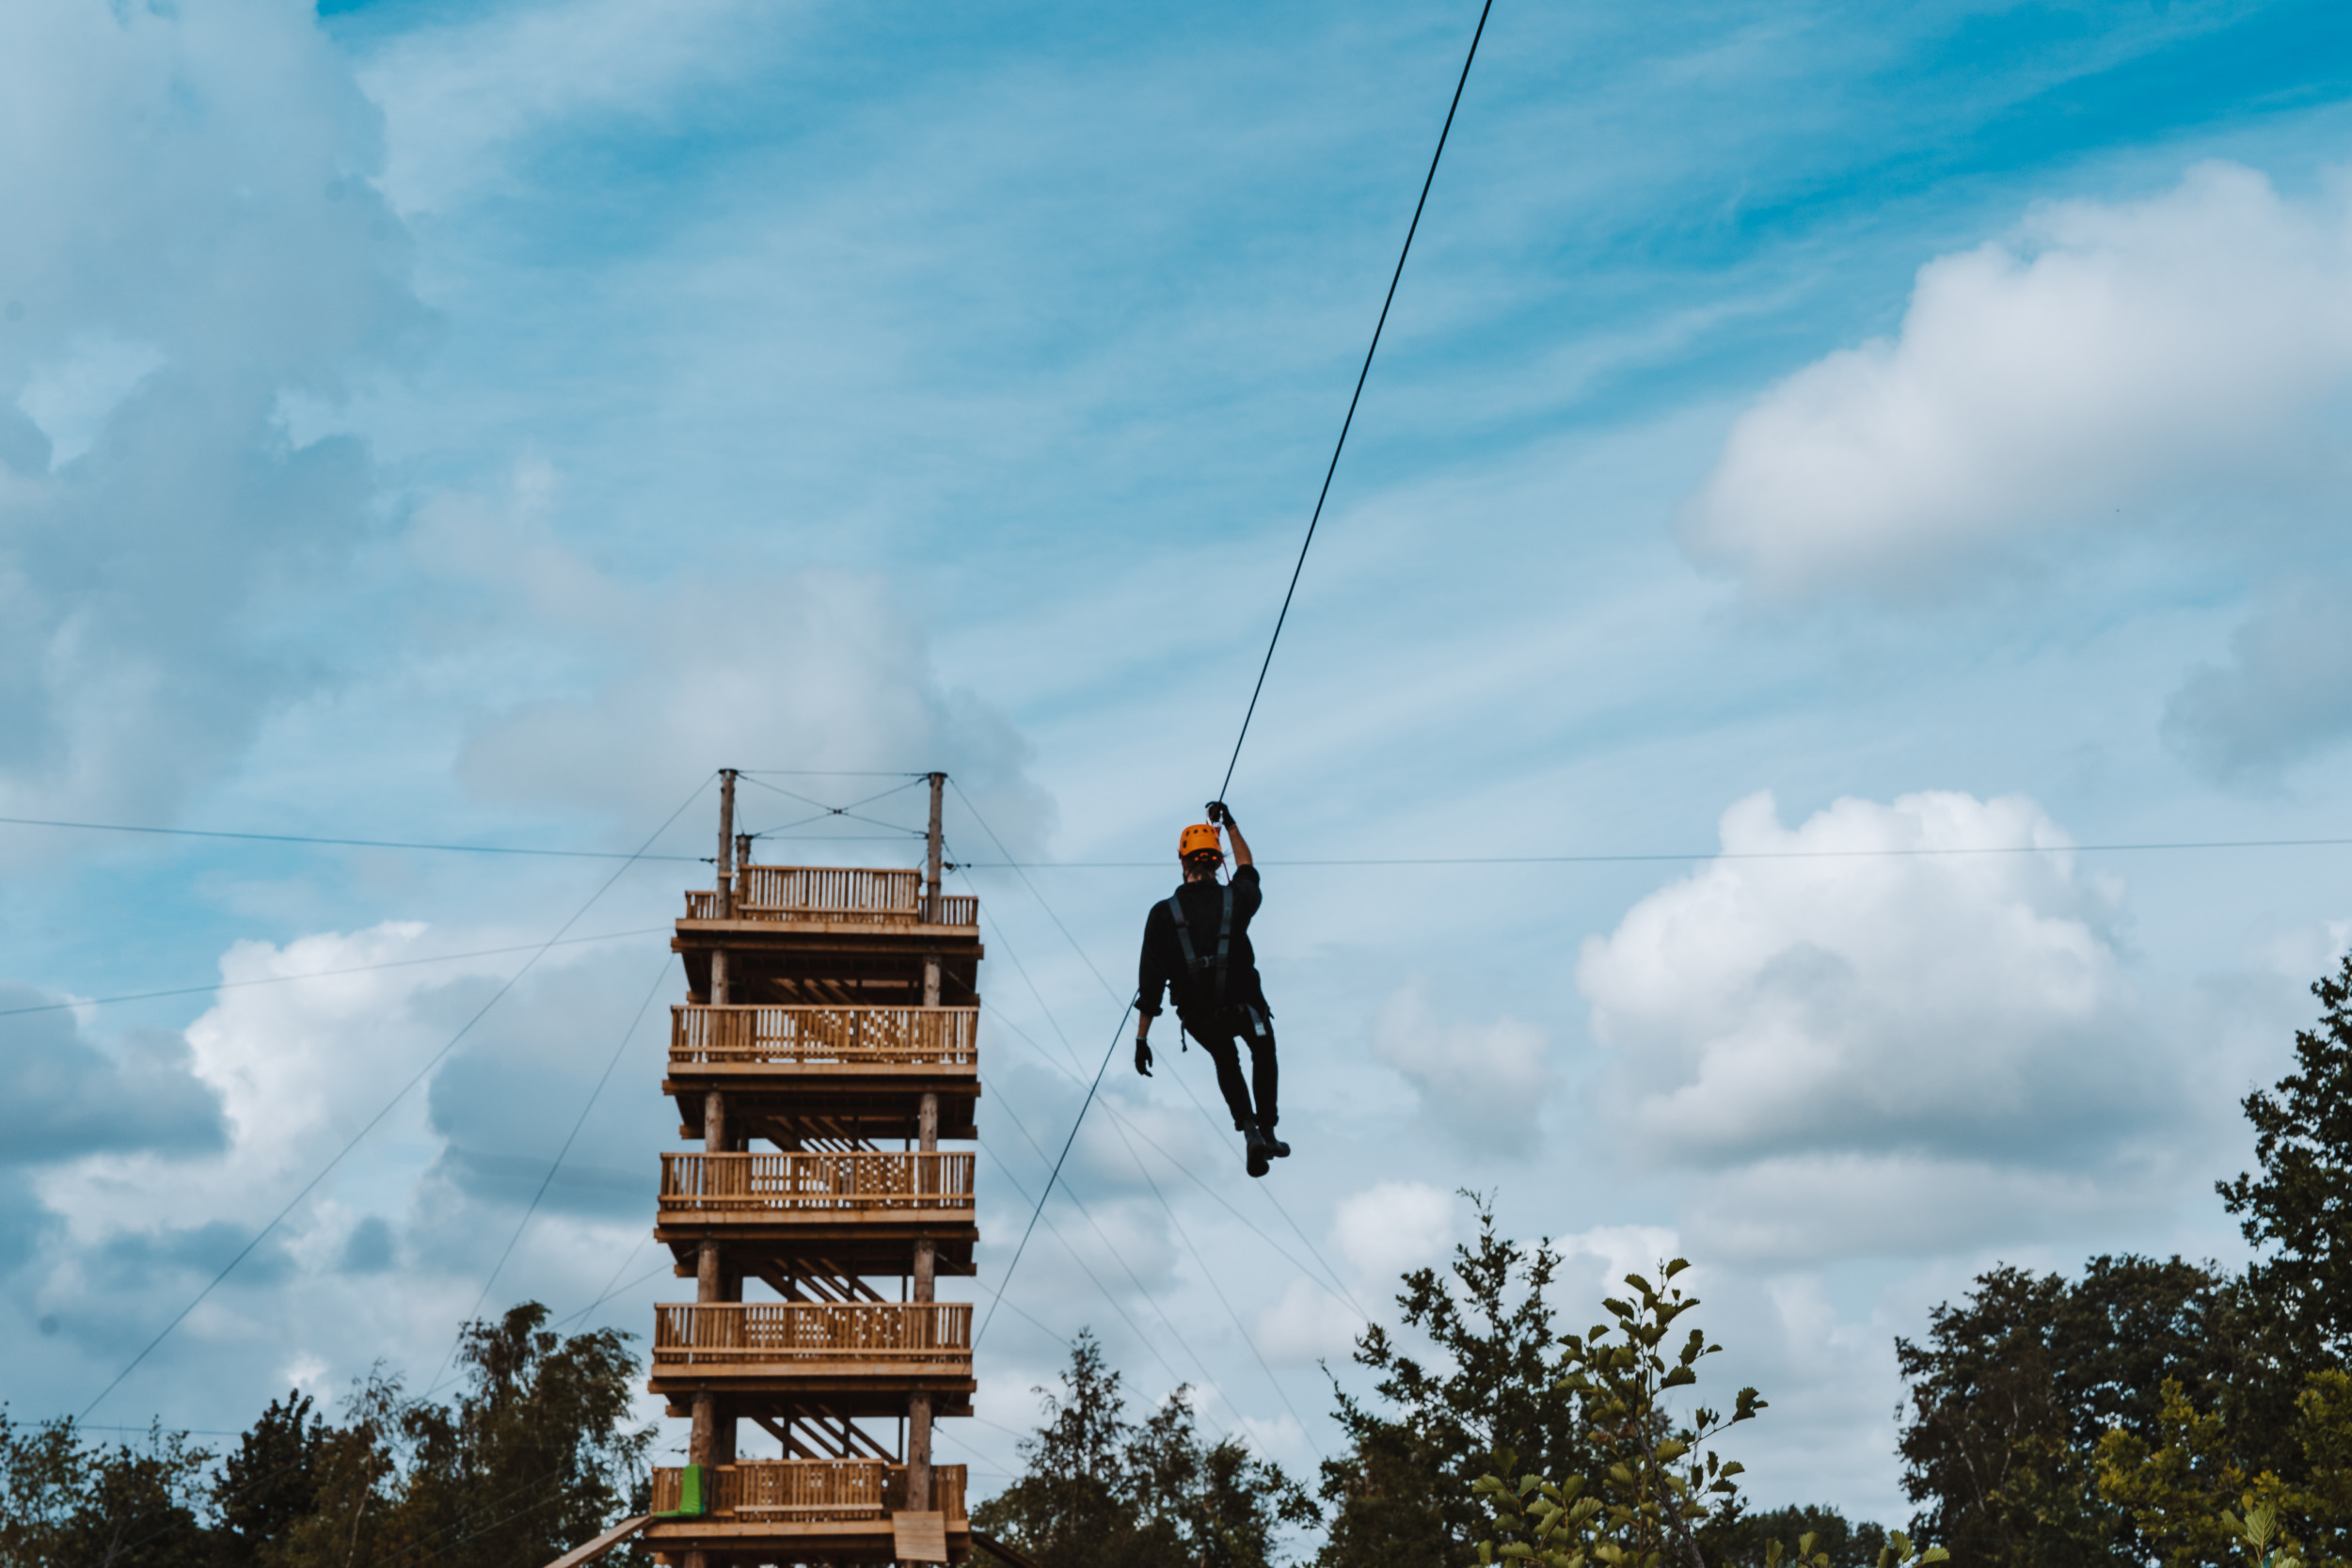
580 1555
920 1537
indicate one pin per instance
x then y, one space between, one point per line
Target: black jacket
1162 964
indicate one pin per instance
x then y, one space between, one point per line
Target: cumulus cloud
273 1081
808 670
1485 1084
64 1093
2106 357
2283 693
1380 1234
196 238
1824 1005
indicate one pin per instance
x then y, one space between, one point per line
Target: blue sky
1800 428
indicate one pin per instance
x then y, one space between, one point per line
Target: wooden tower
827 1044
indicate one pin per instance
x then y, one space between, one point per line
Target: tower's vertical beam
935 846
925 1289
721 991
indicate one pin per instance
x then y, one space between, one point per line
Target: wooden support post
919 1453
722 988
935 848
727 843
925 1288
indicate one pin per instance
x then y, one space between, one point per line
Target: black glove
1219 813
1143 1056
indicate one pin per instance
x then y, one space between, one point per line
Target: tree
1065 1509
1650 1493
1741 1538
531 1459
2300 1207
2012 1390
65 1503
1101 1490
268 1480
1400 1496
2184 1486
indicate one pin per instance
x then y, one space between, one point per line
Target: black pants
1223 1039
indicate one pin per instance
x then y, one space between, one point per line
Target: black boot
1259 1152
1275 1148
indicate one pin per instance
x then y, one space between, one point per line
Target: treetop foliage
1100 1488
529 1459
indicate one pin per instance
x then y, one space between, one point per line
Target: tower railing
812 1490
794 1184
936 1036
715 1334
831 895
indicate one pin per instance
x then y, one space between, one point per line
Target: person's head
1200 851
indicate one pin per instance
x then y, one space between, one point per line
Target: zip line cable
398 1095
660 970
1112 1299
1119 1124
343 843
1336 1290
1919 853
1118 1257
1088 960
1357 397
1052 1177
325 974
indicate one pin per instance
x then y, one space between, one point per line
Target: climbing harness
1196 967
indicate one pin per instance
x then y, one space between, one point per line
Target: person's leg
1227 1055
1263 1076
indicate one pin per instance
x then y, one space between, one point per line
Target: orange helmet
1200 839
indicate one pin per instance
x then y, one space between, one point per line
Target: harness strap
1195 967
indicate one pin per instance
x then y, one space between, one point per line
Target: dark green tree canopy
1102 1492
2299 1209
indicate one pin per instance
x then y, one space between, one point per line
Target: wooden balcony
761 1187
798 1510
817 896
814 1489
861 1213
855 1358
850 1073
762 1040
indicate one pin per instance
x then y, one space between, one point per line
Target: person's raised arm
1221 812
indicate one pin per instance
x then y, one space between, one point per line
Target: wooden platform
856 1358
853 1072
811 934
802 1511
861 1213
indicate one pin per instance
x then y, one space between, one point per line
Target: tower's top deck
827 897
830 934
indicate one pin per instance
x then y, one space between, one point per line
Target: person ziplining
1196 949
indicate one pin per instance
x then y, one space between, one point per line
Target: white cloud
1619 1250
2107 357
1308 1324
190 232
645 688
1379 1234
299 1072
1484 1083
1395 1226
1837 1020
